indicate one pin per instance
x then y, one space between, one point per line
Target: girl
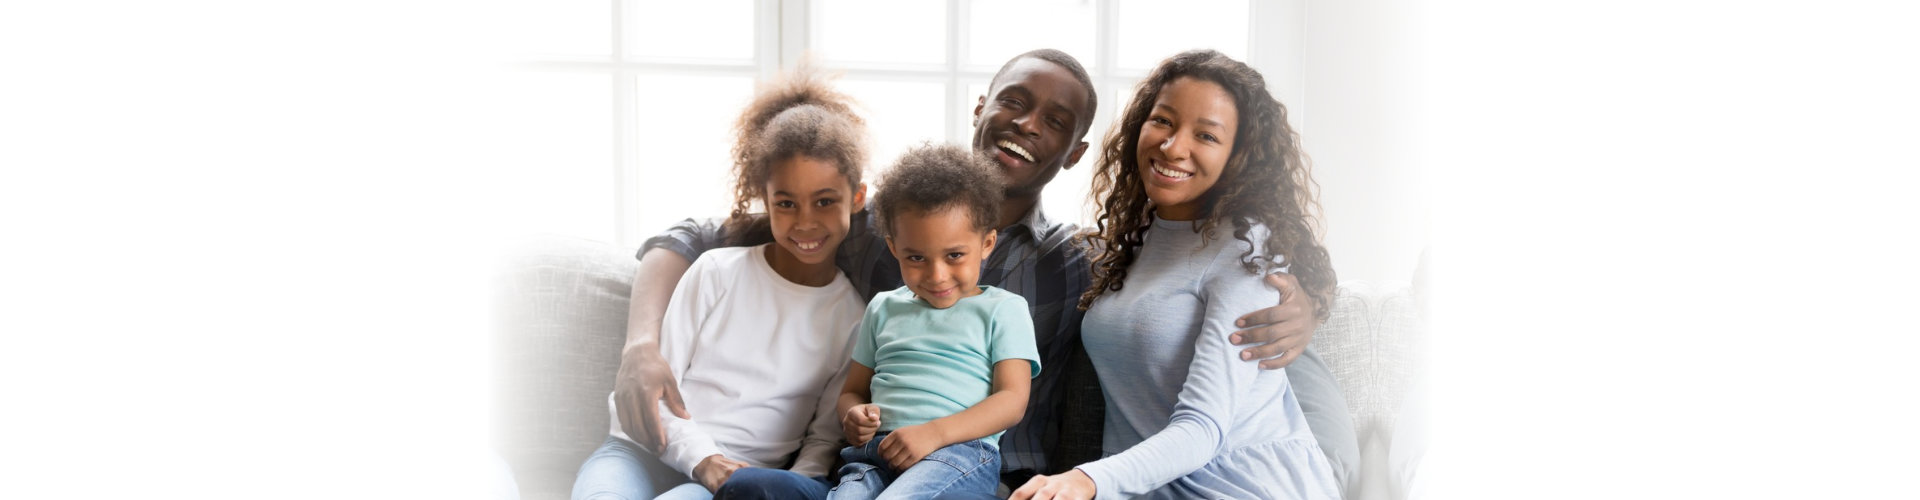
1201 190
750 331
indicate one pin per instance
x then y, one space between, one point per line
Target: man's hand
907 445
1069 485
643 381
1282 330
860 422
714 470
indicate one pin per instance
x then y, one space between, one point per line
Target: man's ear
1074 159
978 107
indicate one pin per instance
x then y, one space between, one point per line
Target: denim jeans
620 470
969 469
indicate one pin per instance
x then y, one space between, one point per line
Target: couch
560 321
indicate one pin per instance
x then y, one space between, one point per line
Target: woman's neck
801 273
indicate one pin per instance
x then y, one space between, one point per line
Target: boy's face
1029 123
808 206
940 254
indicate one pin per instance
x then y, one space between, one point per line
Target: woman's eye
1209 138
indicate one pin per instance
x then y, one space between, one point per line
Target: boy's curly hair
930 178
1266 181
797 114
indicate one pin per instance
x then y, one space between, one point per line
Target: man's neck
1013 209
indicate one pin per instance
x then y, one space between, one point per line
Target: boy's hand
1069 485
1282 330
638 388
860 422
714 470
907 445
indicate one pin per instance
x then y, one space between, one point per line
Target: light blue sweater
1186 418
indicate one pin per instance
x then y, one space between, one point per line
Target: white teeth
807 245
1016 149
1170 172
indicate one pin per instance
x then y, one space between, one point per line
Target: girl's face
1184 145
808 206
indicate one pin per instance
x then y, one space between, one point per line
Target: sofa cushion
560 321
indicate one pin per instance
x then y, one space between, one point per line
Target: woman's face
1184 145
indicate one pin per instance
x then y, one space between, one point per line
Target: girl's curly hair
797 114
1266 181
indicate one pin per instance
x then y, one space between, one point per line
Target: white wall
1357 113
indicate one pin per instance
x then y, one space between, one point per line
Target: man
1031 122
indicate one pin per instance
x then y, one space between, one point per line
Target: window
640 95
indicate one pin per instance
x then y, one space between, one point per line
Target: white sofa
561 314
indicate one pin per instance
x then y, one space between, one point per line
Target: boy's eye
916 258
956 255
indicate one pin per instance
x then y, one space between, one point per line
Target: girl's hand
1069 485
860 422
714 471
907 445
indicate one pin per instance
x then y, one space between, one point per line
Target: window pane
708 29
994 37
1153 30
683 135
563 177
561 27
900 115
878 31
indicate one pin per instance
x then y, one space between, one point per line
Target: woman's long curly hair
797 114
1266 181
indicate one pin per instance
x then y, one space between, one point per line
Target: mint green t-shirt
929 363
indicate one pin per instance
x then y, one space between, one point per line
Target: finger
1271 350
650 424
674 403
1282 361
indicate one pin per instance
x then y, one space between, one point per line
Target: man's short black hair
1073 66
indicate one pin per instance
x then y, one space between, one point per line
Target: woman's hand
907 445
860 422
1282 330
1069 485
714 471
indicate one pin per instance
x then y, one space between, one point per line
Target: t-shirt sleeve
864 343
689 238
695 296
1011 336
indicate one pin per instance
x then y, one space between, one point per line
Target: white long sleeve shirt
760 362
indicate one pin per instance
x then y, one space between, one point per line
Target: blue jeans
620 470
969 469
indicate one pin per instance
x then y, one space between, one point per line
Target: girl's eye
783 204
825 202
955 256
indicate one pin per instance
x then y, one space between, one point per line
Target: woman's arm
1002 408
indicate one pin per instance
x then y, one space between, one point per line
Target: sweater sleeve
822 442
1203 416
692 299
689 238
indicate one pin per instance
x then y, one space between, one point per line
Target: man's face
1029 123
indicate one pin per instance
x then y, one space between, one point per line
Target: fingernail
1239 322
1235 338
1244 355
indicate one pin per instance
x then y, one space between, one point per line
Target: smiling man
1032 123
